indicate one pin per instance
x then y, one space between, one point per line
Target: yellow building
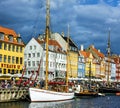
11 52
98 62
89 65
72 58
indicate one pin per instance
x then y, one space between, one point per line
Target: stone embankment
13 94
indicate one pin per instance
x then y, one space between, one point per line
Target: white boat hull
40 95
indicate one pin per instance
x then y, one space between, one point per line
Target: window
21 60
8 70
17 71
0 57
4 72
1 36
34 47
33 54
13 59
38 54
9 59
9 47
0 45
5 46
29 55
17 48
13 48
12 71
19 39
21 49
29 63
37 63
30 47
17 60
11 38
5 57
33 63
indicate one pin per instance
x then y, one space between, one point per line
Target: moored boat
109 90
86 94
46 95
41 95
87 91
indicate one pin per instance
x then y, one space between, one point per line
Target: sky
89 20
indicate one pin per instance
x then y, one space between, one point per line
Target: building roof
97 51
71 43
50 42
85 54
8 31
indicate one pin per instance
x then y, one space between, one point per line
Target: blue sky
89 20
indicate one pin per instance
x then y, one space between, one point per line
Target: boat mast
47 33
90 75
108 54
67 60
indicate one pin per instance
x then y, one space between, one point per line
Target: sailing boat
87 92
109 89
45 95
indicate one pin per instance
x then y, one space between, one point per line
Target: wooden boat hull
40 95
86 94
109 90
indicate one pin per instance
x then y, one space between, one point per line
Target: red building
117 61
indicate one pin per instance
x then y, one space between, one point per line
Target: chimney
62 34
81 47
19 35
92 46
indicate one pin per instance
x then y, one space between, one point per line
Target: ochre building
11 52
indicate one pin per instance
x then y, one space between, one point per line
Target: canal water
98 102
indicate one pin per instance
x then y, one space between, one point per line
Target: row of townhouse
14 56
57 56
81 63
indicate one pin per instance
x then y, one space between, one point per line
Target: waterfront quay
13 94
10 91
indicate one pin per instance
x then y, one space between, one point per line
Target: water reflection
19 104
98 102
60 104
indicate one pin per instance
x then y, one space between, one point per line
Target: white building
32 56
35 52
56 60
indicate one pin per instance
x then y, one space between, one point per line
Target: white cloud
87 22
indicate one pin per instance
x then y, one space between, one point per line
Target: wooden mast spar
47 33
67 71
108 54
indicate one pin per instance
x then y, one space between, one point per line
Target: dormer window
1 36
11 38
19 40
